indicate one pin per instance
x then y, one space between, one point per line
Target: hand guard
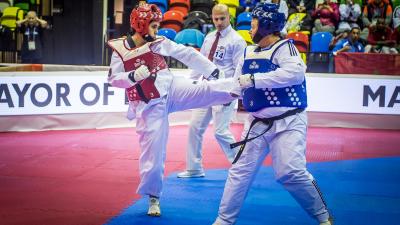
141 73
246 81
243 81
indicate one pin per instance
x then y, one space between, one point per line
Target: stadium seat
320 42
167 32
319 57
246 36
318 62
172 19
196 20
162 4
10 16
180 5
190 37
300 41
232 4
243 21
202 5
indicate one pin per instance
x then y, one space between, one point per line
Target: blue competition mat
358 192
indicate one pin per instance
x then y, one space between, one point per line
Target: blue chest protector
259 63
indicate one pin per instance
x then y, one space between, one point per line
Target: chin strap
148 38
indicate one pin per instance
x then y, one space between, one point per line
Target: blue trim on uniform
273 54
292 49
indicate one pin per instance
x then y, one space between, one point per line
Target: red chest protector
144 90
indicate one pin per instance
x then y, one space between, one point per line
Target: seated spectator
396 38
396 17
374 10
302 6
349 43
349 15
396 27
326 17
380 39
31 27
319 2
337 38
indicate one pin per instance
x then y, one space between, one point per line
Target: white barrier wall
354 94
35 93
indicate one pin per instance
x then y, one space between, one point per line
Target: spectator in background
32 29
318 2
396 17
326 17
349 15
380 39
350 43
302 6
396 27
396 38
337 38
374 10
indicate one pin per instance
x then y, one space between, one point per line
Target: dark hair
355 27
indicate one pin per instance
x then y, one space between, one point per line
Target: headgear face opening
269 20
142 16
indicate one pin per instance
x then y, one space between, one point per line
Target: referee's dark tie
214 47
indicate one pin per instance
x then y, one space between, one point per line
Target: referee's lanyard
31 38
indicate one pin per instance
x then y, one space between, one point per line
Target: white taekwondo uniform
279 89
152 99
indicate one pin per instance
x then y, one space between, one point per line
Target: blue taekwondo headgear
269 20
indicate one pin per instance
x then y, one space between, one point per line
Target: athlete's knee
196 129
292 176
218 134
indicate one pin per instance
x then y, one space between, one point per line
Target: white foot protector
154 207
191 174
329 222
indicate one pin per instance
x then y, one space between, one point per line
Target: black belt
267 121
227 104
140 91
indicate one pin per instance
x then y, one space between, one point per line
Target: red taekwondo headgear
142 16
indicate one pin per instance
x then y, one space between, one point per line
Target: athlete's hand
141 73
221 74
246 81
